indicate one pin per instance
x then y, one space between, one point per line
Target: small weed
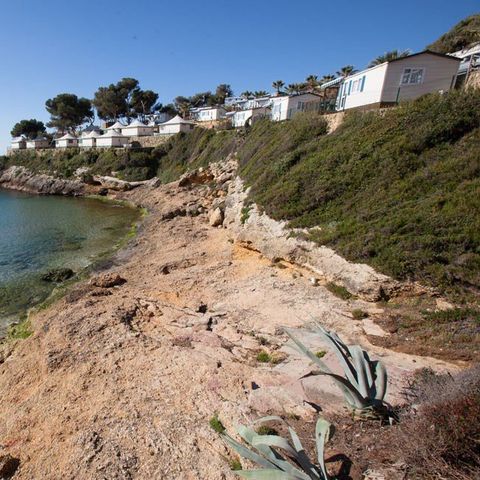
320 353
245 214
274 359
216 424
339 291
263 341
266 430
235 464
263 357
358 314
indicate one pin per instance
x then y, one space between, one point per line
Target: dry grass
440 431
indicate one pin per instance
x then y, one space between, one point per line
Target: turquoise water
38 233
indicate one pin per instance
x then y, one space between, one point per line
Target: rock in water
216 217
58 275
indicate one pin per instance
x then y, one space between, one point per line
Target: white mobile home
66 141
208 114
137 129
176 125
112 138
284 107
89 139
404 78
38 143
242 118
18 143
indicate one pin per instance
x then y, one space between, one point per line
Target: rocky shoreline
121 376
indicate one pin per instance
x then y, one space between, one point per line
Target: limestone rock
216 217
108 280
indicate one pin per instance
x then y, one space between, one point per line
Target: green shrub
20 331
338 291
358 314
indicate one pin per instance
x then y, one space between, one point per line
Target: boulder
216 217
108 280
58 275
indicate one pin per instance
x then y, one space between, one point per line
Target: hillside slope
400 191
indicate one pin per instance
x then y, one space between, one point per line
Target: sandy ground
120 382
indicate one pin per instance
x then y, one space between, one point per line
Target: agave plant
280 458
364 383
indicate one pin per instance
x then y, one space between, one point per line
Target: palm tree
327 78
260 93
389 56
294 88
311 82
346 71
278 85
247 94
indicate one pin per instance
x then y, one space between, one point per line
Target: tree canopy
125 100
460 36
29 128
67 112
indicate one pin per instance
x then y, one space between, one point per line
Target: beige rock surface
120 379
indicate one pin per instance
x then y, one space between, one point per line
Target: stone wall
148 142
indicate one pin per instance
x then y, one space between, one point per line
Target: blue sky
182 47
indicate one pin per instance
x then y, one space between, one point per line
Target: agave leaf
270 418
361 367
302 457
265 474
303 349
370 374
274 441
322 435
343 354
250 436
247 453
381 380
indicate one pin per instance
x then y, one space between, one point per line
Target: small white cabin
66 141
112 138
116 126
285 107
18 143
137 129
176 125
404 78
208 114
89 139
242 118
38 143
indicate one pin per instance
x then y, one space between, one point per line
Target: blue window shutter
363 83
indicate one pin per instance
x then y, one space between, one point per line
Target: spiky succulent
364 383
280 458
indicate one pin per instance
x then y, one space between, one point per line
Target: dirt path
120 382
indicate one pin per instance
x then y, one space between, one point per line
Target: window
412 76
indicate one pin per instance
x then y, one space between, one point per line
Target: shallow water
38 233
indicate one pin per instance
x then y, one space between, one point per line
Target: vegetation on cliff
461 35
399 190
